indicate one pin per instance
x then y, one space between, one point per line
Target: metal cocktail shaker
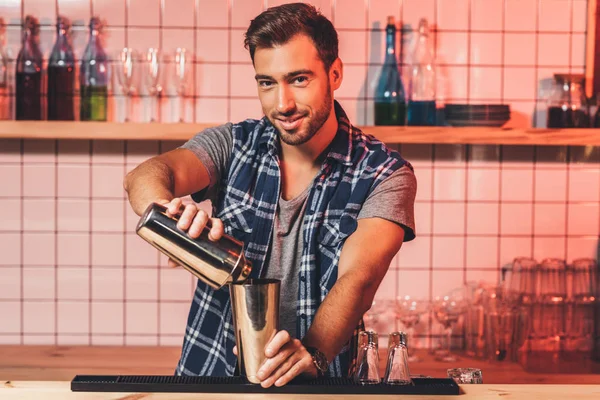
216 263
255 305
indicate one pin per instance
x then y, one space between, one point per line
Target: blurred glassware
500 305
182 72
447 310
581 303
376 318
409 312
367 361
61 74
29 72
4 84
475 340
466 375
153 76
397 372
94 77
567 104
126 74
390 101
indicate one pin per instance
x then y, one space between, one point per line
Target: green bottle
93 77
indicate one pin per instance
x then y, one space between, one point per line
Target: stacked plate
477 114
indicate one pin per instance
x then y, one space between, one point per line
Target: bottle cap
391 20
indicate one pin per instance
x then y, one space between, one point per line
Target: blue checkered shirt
247 200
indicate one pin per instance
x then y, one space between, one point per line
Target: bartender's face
294 88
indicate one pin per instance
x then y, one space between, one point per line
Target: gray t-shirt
393 200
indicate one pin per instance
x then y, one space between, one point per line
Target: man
319 205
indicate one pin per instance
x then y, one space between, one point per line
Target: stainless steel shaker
255 306
216 263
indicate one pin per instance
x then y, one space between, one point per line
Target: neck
312 152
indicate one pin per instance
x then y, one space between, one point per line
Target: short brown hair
277 25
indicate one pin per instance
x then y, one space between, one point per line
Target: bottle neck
390 44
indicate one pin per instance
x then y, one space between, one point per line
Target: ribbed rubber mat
205 384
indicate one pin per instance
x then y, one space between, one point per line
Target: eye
265 84
301 80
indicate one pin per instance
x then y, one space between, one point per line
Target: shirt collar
340 148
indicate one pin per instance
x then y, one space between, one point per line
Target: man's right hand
192 220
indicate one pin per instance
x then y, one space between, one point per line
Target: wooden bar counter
45 372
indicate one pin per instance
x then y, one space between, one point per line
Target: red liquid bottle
29 73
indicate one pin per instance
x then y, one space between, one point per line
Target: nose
285 100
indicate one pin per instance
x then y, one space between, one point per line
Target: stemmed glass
374 318
409 311
447 311
126 69
153 71
181 76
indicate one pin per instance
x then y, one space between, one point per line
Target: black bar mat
205 384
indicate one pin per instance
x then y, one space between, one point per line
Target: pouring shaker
216 263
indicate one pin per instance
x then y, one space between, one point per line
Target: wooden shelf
387 134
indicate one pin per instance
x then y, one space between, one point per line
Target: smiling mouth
290 124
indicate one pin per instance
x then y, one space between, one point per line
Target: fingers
235 350
275 363
198 224
302 365
172 263
275 344
187 216
216 230
174 206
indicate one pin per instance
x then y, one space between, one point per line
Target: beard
305 131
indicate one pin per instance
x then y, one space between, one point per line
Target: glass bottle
567 104
4 92
421 102
390 101
93 77
29 73
61 75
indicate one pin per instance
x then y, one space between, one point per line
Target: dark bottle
93 77
567 104
61 75
421 102
390 101
29 73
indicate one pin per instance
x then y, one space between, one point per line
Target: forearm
148 182
339 314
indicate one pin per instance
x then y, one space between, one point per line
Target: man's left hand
286 359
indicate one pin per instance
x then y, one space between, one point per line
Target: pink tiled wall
73 271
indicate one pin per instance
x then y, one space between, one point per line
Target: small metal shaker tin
217 263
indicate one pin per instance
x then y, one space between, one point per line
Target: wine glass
409 311
447 311
375 317
153 71
181 76
125 74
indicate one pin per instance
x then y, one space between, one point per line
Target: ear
336 73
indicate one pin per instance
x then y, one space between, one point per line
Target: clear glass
390 101
181 75
367 361
421 102
567 104
447 310
94 77
152 80
29 73
126 71
466 375
4 85
61 74
397 372
409 312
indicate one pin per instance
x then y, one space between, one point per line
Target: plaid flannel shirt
247 201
